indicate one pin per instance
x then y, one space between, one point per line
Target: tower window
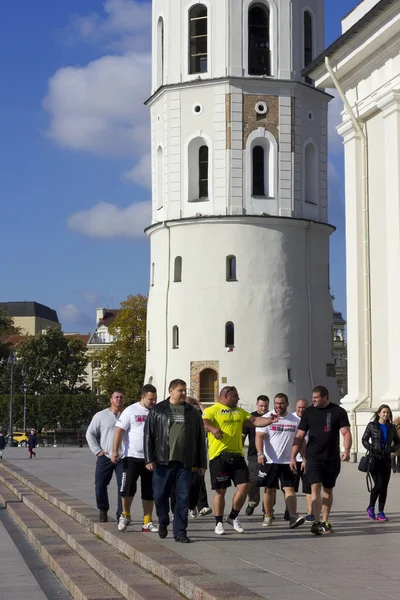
308 41
175 337
160 178
203 172
311 174
229 335
178 269
160 52
259 44
231 268
198 23
148 341
152 274
258 171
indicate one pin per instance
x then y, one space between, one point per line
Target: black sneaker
296 521
162 531
249 510
183 539
103 516
326 527
316 528
286 516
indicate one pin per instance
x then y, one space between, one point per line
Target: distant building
99 340
31 317
340 352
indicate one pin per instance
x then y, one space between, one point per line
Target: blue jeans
164 477
104 472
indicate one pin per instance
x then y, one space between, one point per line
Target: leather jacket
372 439
156 436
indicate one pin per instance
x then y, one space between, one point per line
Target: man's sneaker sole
299 521
327 531
205 511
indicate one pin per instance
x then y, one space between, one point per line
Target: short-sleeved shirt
230 421
177 436
279 437
132 421
323 426
251 432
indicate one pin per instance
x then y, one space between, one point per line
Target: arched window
160 52
152 274
203 172
308 41
178 269
160 178
311 174
198 25
259 43
175 337
229 335
258 171
231 268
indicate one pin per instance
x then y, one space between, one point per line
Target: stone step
75 574
145 550
132 582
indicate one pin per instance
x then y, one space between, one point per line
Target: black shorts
302 476
323 471
133 469
223 472
270 475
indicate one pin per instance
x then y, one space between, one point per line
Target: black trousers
197 496
381 477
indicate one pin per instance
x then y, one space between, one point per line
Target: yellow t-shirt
230 421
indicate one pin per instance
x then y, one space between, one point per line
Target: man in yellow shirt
224 422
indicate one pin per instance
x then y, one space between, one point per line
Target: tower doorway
208 386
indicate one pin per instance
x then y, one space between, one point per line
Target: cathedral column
390 106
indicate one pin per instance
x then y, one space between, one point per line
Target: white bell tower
239 290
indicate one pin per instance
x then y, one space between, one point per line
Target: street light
25 388
11 361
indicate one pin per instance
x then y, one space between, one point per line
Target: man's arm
210 428
118 437
93 436
347 442
298 443
259 447
261 421
148 442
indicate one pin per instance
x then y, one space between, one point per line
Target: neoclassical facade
239 290
364 65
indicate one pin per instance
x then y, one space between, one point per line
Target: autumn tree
123 363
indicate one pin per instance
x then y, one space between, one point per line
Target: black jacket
156 436
372 439
2 442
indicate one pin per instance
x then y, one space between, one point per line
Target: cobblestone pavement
361 561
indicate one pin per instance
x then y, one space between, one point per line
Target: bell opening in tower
198 25
259 46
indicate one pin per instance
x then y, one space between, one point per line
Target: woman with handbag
380 439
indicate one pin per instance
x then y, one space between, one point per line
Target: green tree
123 363
53 364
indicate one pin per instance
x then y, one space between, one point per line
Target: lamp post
24 387
11 362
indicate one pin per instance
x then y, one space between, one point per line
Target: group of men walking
164 445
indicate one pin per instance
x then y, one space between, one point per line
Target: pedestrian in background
32 443
2 444
100 437
396 455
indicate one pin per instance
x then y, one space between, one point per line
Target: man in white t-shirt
130 431
274 446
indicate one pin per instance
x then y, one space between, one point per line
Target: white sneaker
219 529
267 521
193 513
123 523
205 511
150 527
236 524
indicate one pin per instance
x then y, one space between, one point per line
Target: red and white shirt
132 421
279 437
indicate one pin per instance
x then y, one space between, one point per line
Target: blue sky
74 148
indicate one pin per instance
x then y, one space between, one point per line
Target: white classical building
364 66
239 290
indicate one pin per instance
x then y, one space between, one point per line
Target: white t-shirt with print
299 457
279 437
132 421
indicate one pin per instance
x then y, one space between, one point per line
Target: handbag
366 465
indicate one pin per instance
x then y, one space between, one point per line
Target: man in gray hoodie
100 437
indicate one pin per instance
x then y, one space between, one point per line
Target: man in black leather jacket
174 445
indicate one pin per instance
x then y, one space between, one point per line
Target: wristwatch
260 453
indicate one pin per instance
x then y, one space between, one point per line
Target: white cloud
108 221
141 172
125 26
69 313
335 109
99 108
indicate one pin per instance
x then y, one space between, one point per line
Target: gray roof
29 309
343 39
